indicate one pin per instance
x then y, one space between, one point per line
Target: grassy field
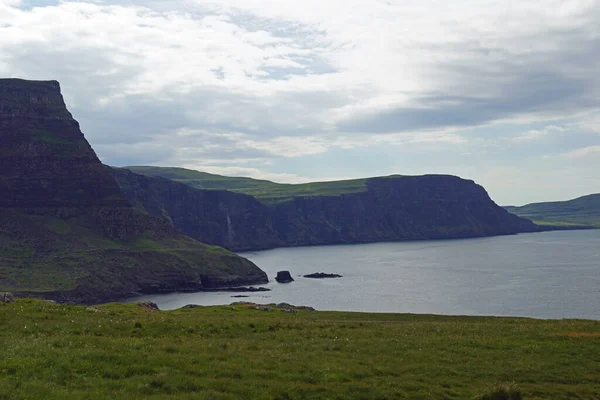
581 211
266 191
118 351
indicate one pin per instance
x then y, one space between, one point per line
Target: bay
543 275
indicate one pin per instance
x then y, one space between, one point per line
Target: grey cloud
559 82
541 92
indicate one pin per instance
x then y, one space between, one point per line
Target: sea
549 275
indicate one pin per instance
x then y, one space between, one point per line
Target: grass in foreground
125 351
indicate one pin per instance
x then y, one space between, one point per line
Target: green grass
581 211
266 191
124 351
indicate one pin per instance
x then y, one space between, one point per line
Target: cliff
388 209
582 212
218 217
67 231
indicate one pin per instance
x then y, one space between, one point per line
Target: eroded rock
284 277
7 298
149 305
322 275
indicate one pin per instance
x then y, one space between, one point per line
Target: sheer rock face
219 217
46 164
407 208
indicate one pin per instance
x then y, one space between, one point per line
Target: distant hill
67 231
358 211
581 211
265 191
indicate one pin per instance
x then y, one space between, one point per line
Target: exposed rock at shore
7 298
190 306
149 305
250 289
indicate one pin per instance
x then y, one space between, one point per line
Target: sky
503 92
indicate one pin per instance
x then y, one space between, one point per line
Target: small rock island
284 277
322 275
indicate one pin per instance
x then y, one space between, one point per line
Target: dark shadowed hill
583 211
66 229
382 209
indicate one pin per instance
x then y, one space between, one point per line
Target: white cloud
249 173
591 123
264 81
590 151
536 134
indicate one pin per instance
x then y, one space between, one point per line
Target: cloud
591 123
275 86
249 173
537 134
590 151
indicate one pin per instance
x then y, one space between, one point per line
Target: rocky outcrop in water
284 277
322 275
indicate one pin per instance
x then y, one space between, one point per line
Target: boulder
190 306
148 305
6 298
284 305
284 277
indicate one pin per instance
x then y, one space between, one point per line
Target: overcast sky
506 93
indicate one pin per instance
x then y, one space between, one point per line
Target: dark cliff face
66 229
45 161
217 217
404 208
407 208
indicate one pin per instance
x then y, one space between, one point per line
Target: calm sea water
542 275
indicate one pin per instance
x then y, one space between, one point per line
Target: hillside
120 351
387 209
266 191
67 231
583 211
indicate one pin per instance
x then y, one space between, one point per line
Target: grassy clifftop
581 211
266 191
127 351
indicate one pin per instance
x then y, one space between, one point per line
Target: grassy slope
125 351
581 211
266 191
58 254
